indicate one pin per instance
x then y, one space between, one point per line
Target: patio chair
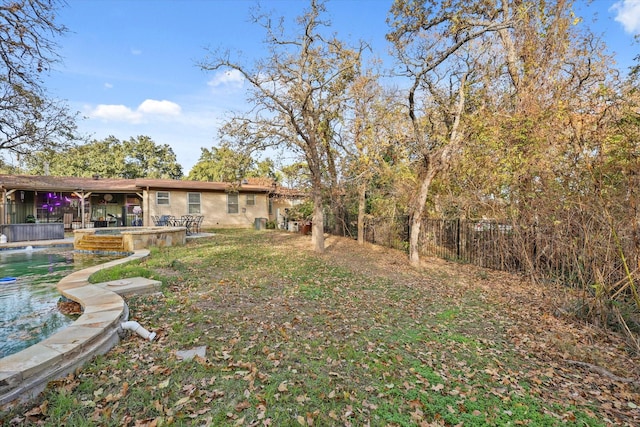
188 222
198 223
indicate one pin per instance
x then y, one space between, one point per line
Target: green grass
131 269
292 339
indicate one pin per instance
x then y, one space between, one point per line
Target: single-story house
105 202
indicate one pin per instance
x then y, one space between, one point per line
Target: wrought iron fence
483 243
392 232
561 252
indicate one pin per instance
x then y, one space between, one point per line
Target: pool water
28 306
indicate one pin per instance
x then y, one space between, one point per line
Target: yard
354 337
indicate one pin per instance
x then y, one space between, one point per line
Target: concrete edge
24 375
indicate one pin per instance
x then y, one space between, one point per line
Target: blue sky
129 66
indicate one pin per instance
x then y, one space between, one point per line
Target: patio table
184 221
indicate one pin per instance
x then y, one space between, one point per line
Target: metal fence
390 232
562 252
484 243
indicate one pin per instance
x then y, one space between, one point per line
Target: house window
162 198
193 201
251 199
232 203
270 206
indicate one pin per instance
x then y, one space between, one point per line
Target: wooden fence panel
33 232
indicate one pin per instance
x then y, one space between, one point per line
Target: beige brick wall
213 206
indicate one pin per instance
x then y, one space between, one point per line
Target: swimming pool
28 306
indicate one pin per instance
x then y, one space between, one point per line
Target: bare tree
29 119
372 133
435 42
297 93
432 42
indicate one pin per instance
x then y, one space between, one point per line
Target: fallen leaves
437 387
69 308
38 410
352 337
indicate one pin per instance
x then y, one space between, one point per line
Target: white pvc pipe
134 326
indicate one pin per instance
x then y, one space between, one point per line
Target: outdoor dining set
191 222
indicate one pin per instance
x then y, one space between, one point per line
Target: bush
301 212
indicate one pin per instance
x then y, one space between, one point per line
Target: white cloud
120 113
227 78
136 51
108 85
146 110
151 106
628 14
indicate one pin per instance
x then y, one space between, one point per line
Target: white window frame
194 207
161 200
230 204
251 200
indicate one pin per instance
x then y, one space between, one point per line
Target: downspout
134 326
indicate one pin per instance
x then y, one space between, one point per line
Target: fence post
458 239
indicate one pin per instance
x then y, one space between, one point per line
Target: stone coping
37 244
134 238
130 230
25 374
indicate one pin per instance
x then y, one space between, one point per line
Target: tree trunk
434 162
416 215
362 205
338 211
317 228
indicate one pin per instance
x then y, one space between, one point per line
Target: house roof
115 185
65 183
173 184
